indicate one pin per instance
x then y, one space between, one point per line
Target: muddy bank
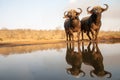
40 42
18 47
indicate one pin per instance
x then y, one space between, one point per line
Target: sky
48 14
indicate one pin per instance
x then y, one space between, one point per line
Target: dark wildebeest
72 23
92 56
92 23
74 58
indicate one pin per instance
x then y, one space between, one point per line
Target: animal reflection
92 56
74 58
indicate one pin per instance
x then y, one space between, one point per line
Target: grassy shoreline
42 42
34 37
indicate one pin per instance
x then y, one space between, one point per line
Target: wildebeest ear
77 14
91 11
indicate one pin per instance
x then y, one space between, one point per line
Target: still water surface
61 61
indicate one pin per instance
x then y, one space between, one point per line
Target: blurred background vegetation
57 34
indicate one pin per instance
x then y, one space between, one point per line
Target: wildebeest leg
67 36
88 47
96 45
71 35
93 48
88 35
72 45
79 50
66 32
78 35
92 32
96 34
82 35
82 46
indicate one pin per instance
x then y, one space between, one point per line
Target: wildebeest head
97 9
72 13
100 74
75 72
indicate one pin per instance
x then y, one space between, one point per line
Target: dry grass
48 35
28 35
109 35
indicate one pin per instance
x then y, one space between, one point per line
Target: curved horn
80 10
104 9
83 73
89 11
91 73
65 15
110 75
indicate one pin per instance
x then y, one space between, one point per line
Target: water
61 61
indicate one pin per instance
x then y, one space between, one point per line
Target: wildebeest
92 23
74 58
72 23
92 56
